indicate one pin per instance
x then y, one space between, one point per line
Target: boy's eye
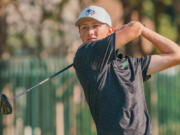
84 28
95 25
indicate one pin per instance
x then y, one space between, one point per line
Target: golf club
5 106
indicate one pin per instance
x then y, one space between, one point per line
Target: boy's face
92 30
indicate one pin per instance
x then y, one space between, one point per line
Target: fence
58 107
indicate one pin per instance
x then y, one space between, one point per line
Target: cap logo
90 12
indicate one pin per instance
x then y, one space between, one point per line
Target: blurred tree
85 3
44 31
166 18
3 26
132 11
159 9
3 36
176 7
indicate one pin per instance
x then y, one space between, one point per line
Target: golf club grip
60 71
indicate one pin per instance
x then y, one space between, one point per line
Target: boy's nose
91 31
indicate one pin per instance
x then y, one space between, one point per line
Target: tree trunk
132 11
3 33
3 37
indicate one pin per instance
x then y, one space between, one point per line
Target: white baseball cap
95 12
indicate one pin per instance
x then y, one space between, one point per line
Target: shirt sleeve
145 61
96 55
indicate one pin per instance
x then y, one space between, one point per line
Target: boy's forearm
164 44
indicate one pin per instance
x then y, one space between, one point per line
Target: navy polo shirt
113 87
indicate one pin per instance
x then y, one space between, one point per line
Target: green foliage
148 9
166 2
166 28
14 41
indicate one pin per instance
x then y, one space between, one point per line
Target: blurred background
38 38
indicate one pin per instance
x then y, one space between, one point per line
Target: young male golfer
113 84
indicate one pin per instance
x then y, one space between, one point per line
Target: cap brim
81 20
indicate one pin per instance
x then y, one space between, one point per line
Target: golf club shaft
40 83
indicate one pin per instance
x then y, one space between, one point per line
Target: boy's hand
127 33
